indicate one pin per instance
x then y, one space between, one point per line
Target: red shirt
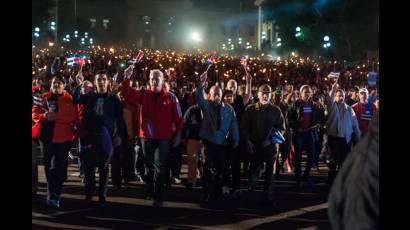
363 116
159 118
306 121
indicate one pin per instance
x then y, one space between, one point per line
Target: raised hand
128 72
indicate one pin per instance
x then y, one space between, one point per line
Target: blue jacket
228 122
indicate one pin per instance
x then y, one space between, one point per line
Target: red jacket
363 117
158 118
66 116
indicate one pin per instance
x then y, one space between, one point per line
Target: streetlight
298 29
326 38
36 35
196 37
76 34
51 44
37 29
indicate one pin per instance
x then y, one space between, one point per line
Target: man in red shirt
160 113
364 111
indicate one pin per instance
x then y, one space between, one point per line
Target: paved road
127 208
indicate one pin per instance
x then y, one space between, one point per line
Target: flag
211 60
333 75
372 78
138 58
76 60
38 100
243 61
278 138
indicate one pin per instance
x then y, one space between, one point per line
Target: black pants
34 166
119 168
215 160
95 156
301 140
55 165
263 155
232 167
339 149
174 161
156 156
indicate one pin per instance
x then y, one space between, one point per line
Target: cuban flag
38 100
243 61
138 58
333 75
278 138
76 60
211 60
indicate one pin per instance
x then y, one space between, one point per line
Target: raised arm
248 89
200 92
132 96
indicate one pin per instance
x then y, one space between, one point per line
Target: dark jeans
119 169
300 140
95 156
233 167
263 155
175 161
339 149
215 160
55 165
34 165
156 155
138 167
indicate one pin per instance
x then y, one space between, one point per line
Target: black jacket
112 117
295 114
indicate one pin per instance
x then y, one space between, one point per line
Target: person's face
57 86
363 97
339 97
102 83
305 94
231 86
228 98
215 94
264 97
289 88
376 103
354 95
156 82
86 87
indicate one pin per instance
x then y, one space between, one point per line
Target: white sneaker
225 190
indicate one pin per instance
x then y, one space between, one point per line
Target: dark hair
102 72
59 78
355 89
227 92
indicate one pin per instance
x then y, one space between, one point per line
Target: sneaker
237 194
102 200
53 203
225 190
189 185
139 179
177 180
157 203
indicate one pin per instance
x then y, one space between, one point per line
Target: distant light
293 54
68 40
36 34
229 39
75 35
82 39
85 33
51 44
324 45
240 39
37 29
122 65
53 23
297 29
239 42
278 39
146 23
196 37
169 23
279 44
247 43
64 39
326 38
112 50
52 28
328 44
263 33
76 32
67 36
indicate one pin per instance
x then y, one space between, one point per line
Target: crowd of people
229 118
